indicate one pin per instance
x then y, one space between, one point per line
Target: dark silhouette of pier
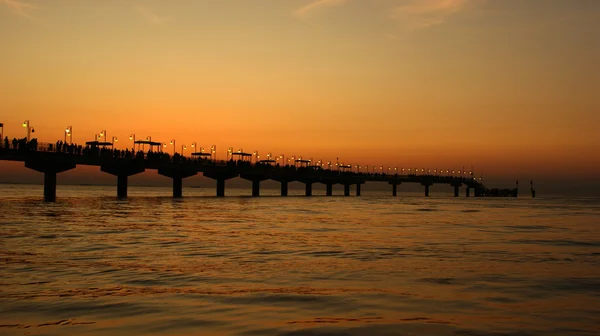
52 159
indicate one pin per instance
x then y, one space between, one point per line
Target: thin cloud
419 14
19 7
150 16
317 5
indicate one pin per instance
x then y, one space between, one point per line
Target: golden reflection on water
368 265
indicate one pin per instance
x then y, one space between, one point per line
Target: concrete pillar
177 186
220 187
394 190
122 170
346 190
49 165
50 186
121 186
358 189
456 190
468 192
255 188
329 191
177 173
427 190
284 188
308 188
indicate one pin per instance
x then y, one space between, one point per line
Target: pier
51 160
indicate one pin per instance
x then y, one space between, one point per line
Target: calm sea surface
90 264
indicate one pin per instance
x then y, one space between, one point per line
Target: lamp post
103 134
229 153
114 139
69 133
173 143
132 137
213 152
194 145
183 147
29 129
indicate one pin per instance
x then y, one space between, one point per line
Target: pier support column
121 186
394 190
50 166
427 190
220 187
177 173
284 188
468 192
50 186
255 178
456 190
255 188
220 174
308 188
329 189
346 189
358 189
177 186
122 170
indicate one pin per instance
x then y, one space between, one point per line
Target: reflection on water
371 265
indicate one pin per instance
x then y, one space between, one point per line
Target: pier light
114 139
69 134
103 134
29 129
183 147
194 145
213 152
173 143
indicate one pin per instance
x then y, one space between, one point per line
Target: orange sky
509 86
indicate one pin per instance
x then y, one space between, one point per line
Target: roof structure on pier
146 142
201 154
99 143
242 154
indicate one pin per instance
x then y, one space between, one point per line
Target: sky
510 87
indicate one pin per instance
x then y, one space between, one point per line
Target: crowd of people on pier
159 156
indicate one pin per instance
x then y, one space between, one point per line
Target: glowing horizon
506 86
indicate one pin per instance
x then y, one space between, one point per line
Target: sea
91 264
